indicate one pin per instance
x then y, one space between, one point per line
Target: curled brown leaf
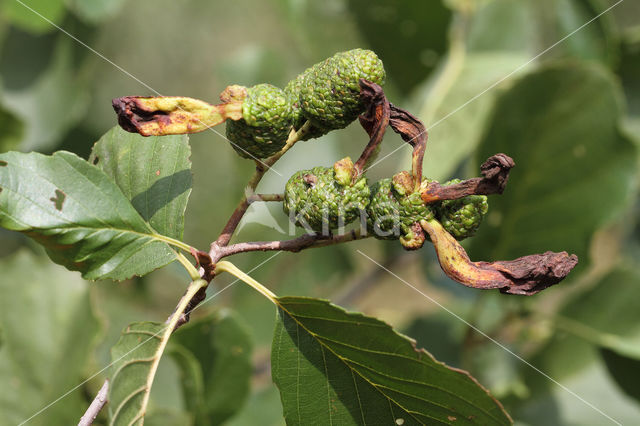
525 275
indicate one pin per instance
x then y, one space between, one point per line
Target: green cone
392 212
323 201
328 93
461 218
267 121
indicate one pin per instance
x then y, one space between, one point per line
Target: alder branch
294 245
96 406
265 197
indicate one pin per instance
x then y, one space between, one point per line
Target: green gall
317 200
267 119
462 217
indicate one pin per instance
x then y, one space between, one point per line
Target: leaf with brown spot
98 232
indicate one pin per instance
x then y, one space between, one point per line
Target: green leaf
335 367
135 359
48 329
30 15
410 36
455 129
214 354
79 215
575 170
153 172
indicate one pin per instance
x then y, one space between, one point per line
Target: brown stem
294 245
525 275
414 133
496 174
265 197
375 121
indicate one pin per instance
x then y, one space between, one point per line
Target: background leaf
625 371
27 17
12 130
214 354
154 173
455 129
79 215
55 99
47 335
561 126
606 315
410 35
338 367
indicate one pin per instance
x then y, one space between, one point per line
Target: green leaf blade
78 215
153 172
346 368
140 345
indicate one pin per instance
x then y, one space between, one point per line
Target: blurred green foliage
472 70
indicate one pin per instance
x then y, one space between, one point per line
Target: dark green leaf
335 367
409 35
48 330
574 169
625 371
12 130
154 173
79 215
214 354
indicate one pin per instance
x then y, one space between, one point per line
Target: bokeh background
525 77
